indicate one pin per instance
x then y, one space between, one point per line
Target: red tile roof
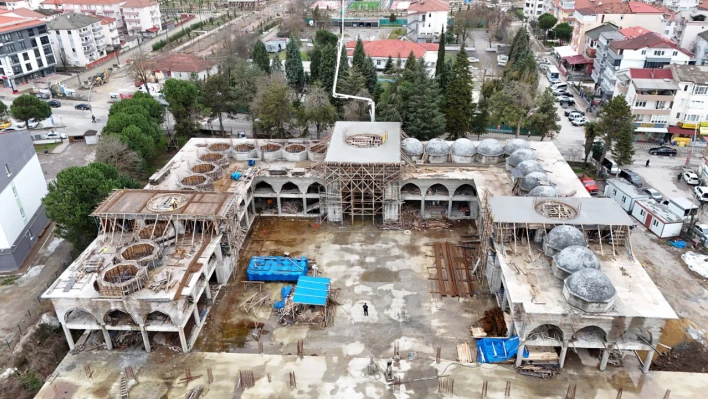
421 6
394 48
651 40
139 3
641 8
23 12
634 31
592 4
641 73
11 24
107 20
181 62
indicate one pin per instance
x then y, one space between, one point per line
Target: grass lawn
303 55
41 147
364 5
396 33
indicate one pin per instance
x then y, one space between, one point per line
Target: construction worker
366 309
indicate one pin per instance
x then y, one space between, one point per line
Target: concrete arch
116 317
591 333
465 189
158 317
263 187
290 186
315 188
546 331
79 315
438 190
411 189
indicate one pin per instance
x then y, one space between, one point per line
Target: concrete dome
519 156
437 147
463 147
412 146
590 285
543 191
529 166
515 144
533 180
564 236
490 148
575 258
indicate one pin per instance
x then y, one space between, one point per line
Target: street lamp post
88 99
693 142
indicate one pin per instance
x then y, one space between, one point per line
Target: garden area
364 5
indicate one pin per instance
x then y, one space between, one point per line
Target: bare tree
497 23
141 69
114 152
466 20
357 110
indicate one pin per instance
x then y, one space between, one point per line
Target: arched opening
410 189
439 190
464 209
158 318
466 189
290 188
410 206
437 202
79 316
546 333
265 199
264 188
591 334
117 317
315 188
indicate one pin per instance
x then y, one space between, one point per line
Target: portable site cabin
683 207
91 137
624 193
657 218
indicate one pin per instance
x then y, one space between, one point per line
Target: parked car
655 195
575 115
611 167
631 177
700 231
5 124
561 92
701 193
663 150
691 178
590 185
579 121
473 60
241 134
54 103
565 99
43 96
55 135
568 111
13 128
82 107
32 124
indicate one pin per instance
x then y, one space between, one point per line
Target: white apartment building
26 53
22 187
426 19
691 102
534 8
681 5
137 16
689 25
78 39
650 94
13 5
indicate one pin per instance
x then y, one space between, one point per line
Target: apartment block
80 39
26 53
691 102
650 93
534 8
136 17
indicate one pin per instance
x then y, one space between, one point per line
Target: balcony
654 97
650 111
622 88
97 28
85 34
590 52
98 36
132 19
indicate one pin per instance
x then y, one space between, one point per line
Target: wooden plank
190 270
438 266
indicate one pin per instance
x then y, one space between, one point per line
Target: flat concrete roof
388 152
629 189
122 202
660 211
591 211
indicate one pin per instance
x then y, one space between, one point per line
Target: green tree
327 66
75 193
369 73
272 107
388 68
315 61
138 141
359 56
519 46
623 150
564 31
392 18
116 123
590 135
182 97
217 97
244 77
259 54
424 118
324 37
524 69
458 102
294 71
150 107
390 107
544 119
26 107
353 82
479 119
614 121
547 21
276 66
318 110
344 63
440 64
511 104
3 111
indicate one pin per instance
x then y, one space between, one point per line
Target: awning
565 51
152 30
652 129
577 60
312 290
680 131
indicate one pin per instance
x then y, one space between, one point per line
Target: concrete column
564 351
197 319
647 361
505 302
449 209
67 333
278 198
253 206
304 205
207 291
510 331
422 208
183 340
605 358
146 339
107 338
520 353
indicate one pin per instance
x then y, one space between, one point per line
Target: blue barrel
251 162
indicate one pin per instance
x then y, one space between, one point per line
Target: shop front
646 132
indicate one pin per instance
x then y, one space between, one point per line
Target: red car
590 185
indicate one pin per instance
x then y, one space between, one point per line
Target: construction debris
493 323
464 355
255 301
451 271
162 282
410 219
541 371
194 393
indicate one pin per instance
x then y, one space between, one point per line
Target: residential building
622 15
650 94
184 66
79 39
26 53
603 66
701 48
135 16
564 10
380 50
110 30
646 51
15 4
681 5
592 38
688 26
534 8
22 187
426 19
691 102
24 13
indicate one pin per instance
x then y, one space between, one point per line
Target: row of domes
465 147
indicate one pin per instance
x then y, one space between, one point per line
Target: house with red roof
139 17
426 19
184 66
650 93
380 50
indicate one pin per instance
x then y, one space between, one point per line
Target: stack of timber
410 219
464 355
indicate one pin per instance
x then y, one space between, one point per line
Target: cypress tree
294 71
459 96
276 66
388 68
359 57
344 66
424 118
440 64
259 54
369 73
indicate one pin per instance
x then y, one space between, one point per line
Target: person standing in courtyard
366 309
647 165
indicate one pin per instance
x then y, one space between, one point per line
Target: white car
31 124
575 115
55 135
701 193
579 121
473 60
691 179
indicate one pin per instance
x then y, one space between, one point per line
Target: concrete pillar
505 302
647 361
278 199
146 339
510 330
183 340
520 353
197 319
605 358
253 206
107 338
449 209
564 351
304 205
67 333
207 291
422 208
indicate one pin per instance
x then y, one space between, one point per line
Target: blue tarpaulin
284 292
312 290
498 350
276 268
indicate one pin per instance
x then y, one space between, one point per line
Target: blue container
235 175
251 162
276 268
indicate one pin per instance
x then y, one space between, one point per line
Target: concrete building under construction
163 252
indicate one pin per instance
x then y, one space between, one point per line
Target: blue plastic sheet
276 268
498 350
312 290
284 292
235 175
678 243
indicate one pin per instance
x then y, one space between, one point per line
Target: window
700 89
617 63
34 42
685 88
637 117
655 223
659 119
30 32
14 59
36 52
16 69
644 52
9 173
624 198
675 53
657 52
25 56
696 104
42 29
44 40
378 62
691 118
660 104
22 212
678 115
19 35
641 212
423 18
39 63
11 48
50 59
640 104
614 192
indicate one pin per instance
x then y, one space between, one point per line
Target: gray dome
490 148
543 191
590 285
463 147
437 147
529 166
515 144
533 180
575 258
564 236
412 146
519 156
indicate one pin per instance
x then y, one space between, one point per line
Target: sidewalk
61 147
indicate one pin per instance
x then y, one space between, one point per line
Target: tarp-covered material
276 268
284 292
498 350
312 290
